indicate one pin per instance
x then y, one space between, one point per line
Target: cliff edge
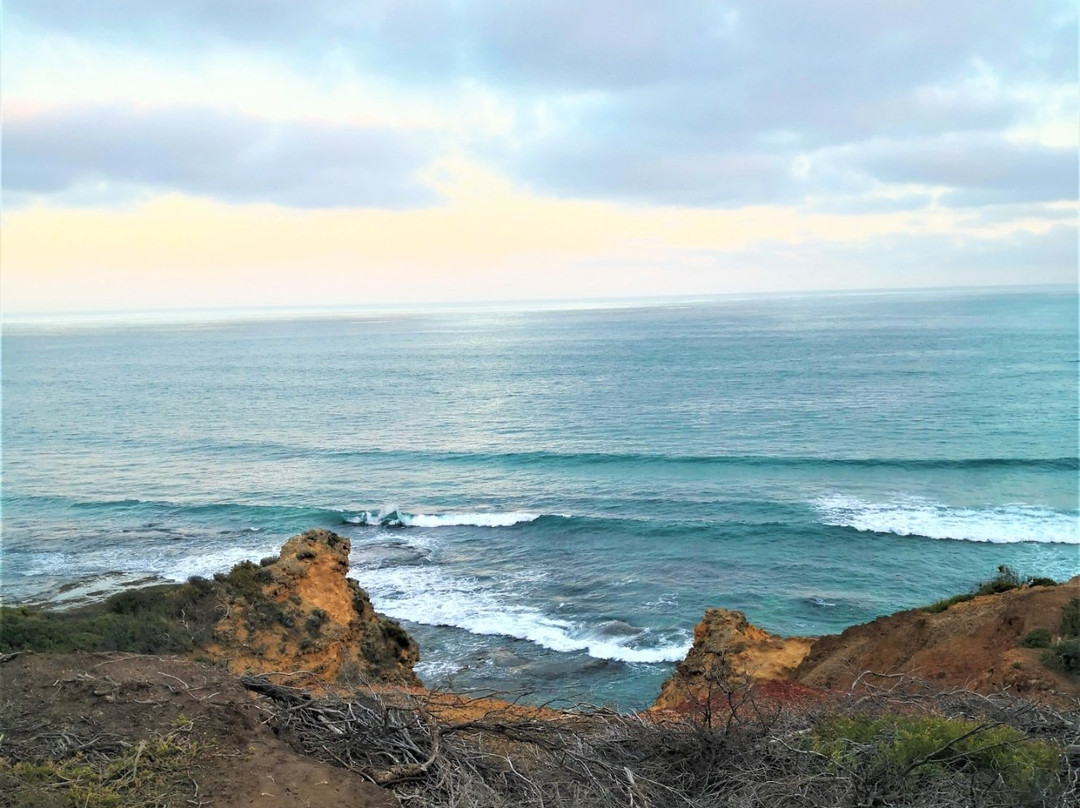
978 644
1005 641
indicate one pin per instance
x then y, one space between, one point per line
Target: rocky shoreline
280 637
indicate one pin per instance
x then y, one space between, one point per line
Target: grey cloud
696 102
211 153
611 43
636 173
979 169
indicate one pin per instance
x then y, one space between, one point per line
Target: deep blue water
551 498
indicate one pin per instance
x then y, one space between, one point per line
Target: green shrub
910 746
1042 582
395 633
942 605
315 621
242 581
165 619
1006 578
1070 619
1064 656
303 555
1037 638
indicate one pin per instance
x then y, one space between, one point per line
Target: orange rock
300 614
729 653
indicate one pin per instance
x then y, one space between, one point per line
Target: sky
232 153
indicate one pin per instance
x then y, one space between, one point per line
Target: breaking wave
395 518
913 516
427 595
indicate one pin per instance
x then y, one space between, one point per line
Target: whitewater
550 498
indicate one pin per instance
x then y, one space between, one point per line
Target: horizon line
271 312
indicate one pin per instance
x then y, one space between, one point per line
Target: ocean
549 497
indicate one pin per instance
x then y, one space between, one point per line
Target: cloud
693 103
608 43
106 153
978 169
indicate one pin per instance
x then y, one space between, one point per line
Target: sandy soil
44 697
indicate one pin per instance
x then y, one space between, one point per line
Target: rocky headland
991 643
278 683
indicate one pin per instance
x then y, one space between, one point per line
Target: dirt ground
51 705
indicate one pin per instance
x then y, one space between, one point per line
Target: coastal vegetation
1004 580
164 619
140 774
1063 652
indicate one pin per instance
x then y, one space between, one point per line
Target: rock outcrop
299 613
729 652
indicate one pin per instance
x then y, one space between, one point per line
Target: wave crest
914 516
395 518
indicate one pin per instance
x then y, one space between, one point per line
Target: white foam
466 519
394 518
915 516
428 595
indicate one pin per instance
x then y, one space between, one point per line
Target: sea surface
549 498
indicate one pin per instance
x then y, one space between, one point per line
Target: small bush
266 562
243 581
942 605
901 746
315 621
1037 638
303 555
1042 582
1006 578
395 633
1070 619
1064 656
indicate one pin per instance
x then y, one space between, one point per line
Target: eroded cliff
991 643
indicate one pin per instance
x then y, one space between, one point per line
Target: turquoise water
549 499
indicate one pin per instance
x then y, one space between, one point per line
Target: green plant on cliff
1037 638
1064 655
1004 580
892 748
166 619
